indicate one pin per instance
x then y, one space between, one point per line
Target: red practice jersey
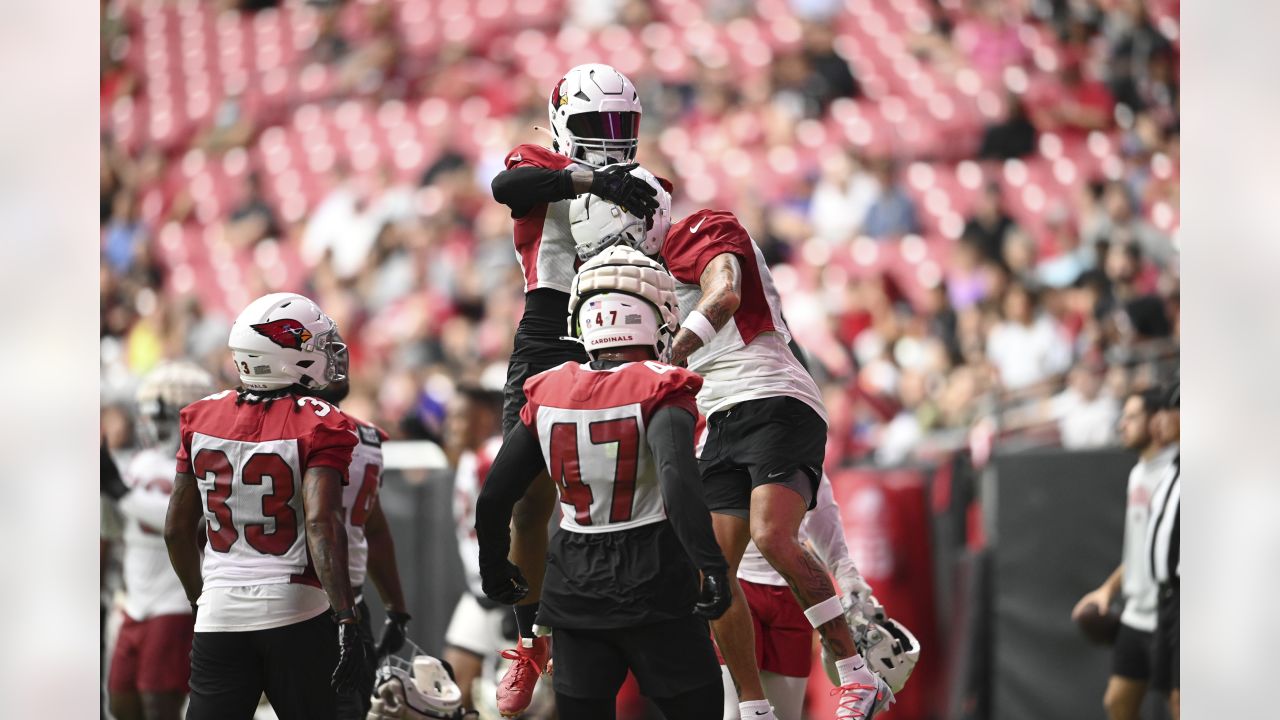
248 460
749 357
591 425
544 243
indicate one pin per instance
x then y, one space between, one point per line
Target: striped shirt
1162 527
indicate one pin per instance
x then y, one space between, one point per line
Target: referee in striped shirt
1162 546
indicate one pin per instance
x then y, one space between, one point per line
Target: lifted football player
762 451
621 588
594 112
370 548
264 466
150 665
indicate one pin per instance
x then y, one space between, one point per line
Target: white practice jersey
749 358
1138 586
359 496
248 460
591 425
544 243
151 586
823 529
473 468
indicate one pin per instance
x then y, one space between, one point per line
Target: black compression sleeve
670 436
523 188
513 470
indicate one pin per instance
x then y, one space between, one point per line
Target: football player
784 637
476 630
594 112
762 450
264 465
150 666
621 589
370 548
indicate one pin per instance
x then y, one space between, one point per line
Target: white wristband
699 325
825 611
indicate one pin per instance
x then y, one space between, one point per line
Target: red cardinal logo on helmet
287 333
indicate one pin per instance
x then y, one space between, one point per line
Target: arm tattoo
181 528
327 535
721 283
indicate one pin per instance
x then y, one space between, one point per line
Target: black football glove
616 184
715 598
351 657
394 633
503 583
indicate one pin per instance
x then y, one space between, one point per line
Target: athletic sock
526 615
851 669
753 709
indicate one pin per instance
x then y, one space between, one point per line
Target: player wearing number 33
266 464
616 436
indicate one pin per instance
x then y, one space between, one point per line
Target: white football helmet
595 115
284 339
164 391
890 650
598 224
420 689
621 298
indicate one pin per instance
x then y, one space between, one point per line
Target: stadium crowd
970 205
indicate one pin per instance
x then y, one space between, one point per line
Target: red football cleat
529 660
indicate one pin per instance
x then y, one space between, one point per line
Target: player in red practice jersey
594 112
371 551
621 590
762 451
265 465
150 666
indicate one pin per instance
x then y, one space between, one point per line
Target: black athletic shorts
292 664
668 658
617 579
1165 648
758 442
1131 655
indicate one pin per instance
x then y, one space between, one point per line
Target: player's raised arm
524 187
517 464
670 436
181 534
721 283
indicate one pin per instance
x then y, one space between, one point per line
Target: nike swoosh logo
777 474
693 230
517 158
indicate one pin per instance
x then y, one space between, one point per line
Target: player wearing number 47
616 435
266 463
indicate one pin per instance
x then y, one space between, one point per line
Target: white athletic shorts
476 629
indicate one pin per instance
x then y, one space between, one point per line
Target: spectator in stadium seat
124 231
893 212
1012 135
253 219
1117 214
1026 346
989 224
1085 412
843 194
831 75
330 45
990 38
1070 257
